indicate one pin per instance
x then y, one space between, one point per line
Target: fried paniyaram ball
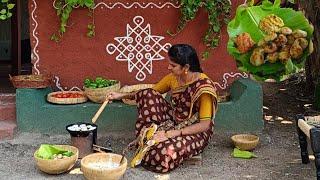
290 39
270 47
297 47
302 42
281 40
298 33
270 37
272 57
285 30
271 23
257 57
284 54
296 51
261 43
244 42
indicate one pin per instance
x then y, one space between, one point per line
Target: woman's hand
163 135
160 136
114 96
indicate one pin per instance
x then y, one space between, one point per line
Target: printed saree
156 113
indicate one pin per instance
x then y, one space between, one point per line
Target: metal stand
315 144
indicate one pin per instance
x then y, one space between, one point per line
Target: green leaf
3 17
4 1
65 15
3 11
289 67
247 20
46 151
205 55
62 29
9 14
10 6
90 34
237 153
89 3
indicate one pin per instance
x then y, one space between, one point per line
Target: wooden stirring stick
96 116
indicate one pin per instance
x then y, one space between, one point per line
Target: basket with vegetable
269 42
96 90
56 159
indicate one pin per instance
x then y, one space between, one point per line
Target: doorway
15 49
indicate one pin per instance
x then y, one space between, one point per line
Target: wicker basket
98 95
30 81
103 173
55 100
245 141
57 166
133 88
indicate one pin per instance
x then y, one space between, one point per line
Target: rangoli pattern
139 48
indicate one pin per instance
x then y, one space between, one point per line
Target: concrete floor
278 158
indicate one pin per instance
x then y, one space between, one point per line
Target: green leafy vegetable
99 82
247 20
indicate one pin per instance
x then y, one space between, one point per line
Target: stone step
8 107
7 129
8 112
7 98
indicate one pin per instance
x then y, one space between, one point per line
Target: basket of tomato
97 89
67 97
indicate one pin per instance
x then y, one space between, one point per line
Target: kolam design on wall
139 48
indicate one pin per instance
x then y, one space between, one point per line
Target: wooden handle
95 117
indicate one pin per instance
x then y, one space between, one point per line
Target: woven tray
56 100
30 81
245 141
133 88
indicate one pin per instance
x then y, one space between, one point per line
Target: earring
185 72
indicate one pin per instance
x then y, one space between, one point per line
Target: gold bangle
166 134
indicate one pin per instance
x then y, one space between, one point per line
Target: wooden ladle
96 116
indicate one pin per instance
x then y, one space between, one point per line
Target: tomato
68 95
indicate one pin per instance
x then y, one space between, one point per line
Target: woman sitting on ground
185 124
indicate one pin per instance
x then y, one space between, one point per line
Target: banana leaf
247 19
47 151
237 153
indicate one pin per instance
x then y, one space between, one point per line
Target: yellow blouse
170 82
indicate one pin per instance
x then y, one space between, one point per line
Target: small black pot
84 133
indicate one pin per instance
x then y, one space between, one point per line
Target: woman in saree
186 123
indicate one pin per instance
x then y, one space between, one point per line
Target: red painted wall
77 57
